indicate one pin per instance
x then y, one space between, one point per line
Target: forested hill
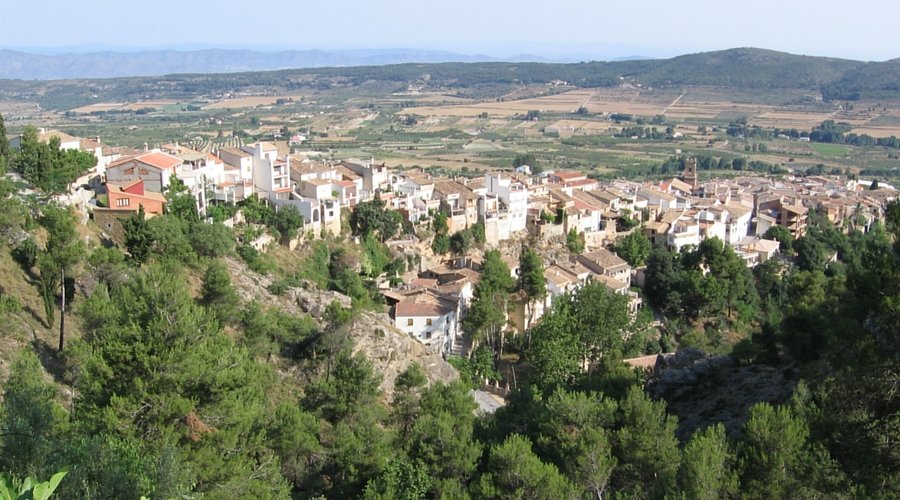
738 68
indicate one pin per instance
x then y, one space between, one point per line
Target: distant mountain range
187 74
21 65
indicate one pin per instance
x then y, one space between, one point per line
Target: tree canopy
373 217
47 166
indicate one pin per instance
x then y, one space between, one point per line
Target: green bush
257 262
280 286
9 304
211 240
26 254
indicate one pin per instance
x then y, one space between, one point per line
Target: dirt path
585 102
673 103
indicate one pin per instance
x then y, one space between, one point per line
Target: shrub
26 254
280 286
9 304
211 240
257 262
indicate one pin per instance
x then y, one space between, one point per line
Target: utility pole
62 315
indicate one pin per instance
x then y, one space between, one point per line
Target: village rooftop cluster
514 206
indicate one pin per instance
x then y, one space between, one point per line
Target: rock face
704 390
392 351
373 334
314 301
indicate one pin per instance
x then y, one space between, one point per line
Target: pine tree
531 279
707 467
218 294
138 237
63 250
4 141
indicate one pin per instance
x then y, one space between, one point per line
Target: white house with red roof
428 318
155 168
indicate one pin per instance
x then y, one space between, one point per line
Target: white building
375 177
514 199
238 171
317 214
682 233
271 175
738 223
430 323
155 168
659 200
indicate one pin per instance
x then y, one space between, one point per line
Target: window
428 322
122 202
427 335
409 322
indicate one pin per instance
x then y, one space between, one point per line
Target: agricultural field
470 130
829 149
249 102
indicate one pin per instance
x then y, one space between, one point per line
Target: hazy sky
860 29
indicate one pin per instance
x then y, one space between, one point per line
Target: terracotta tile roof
447 187
420 180
148 195
588 199
347 173
240 153
580 205
127 185
46 135
89 144
604 258
155 159
567 175
424 282
476 183
409 308
680 185
610 282
560 276
737 210
581 183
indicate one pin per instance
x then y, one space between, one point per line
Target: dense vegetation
45 165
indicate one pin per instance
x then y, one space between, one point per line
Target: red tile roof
156 159
568 175
409 308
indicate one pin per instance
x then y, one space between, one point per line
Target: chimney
97 140
146 147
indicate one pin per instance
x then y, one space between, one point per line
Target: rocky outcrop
392 351
373 334
704 390
314 301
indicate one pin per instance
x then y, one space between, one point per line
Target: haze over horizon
567 29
